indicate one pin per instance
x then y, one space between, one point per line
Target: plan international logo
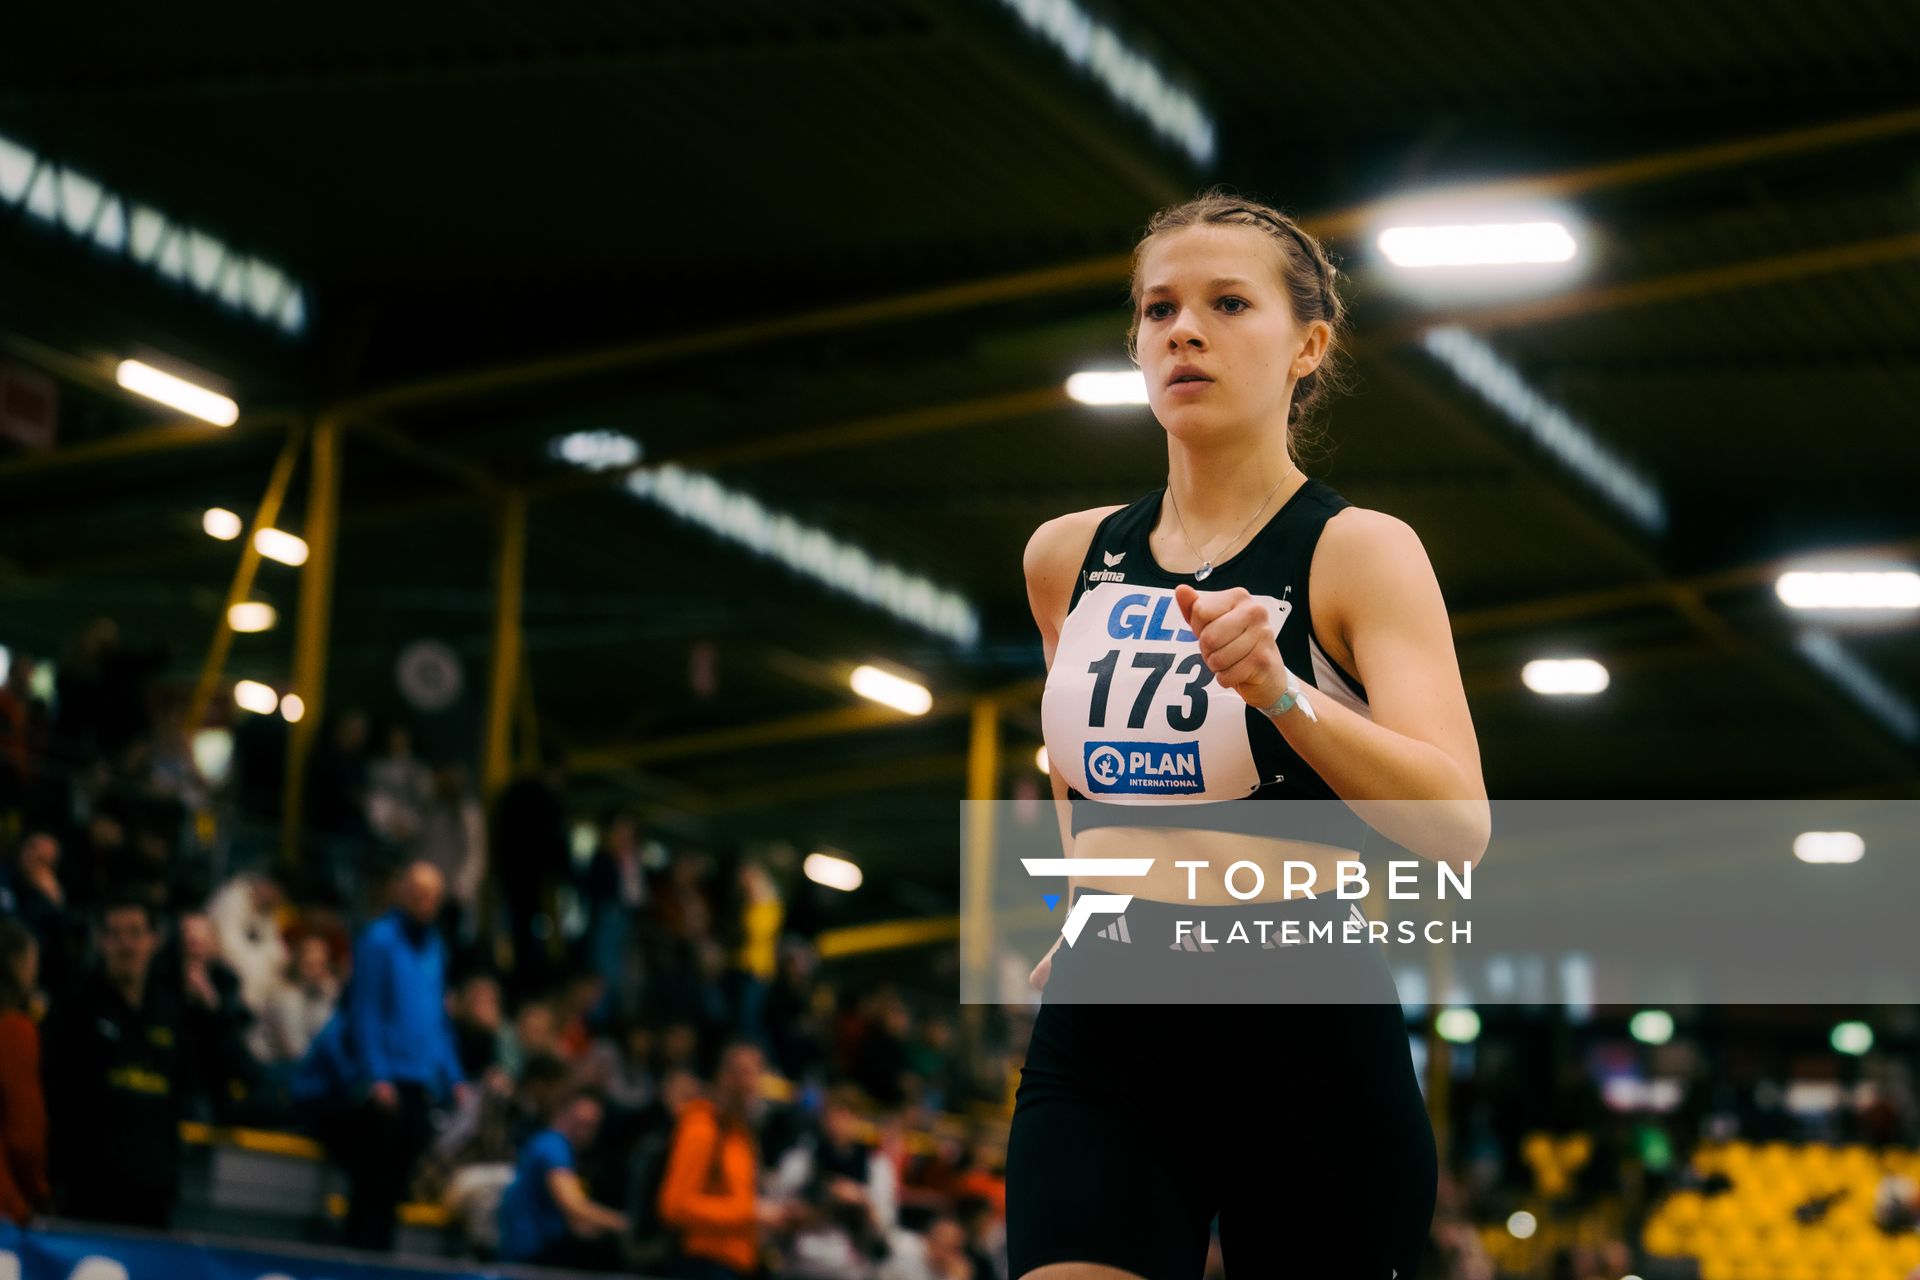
1245 881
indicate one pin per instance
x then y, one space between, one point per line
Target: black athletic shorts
1300 1125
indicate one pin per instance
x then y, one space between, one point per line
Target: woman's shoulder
1059 545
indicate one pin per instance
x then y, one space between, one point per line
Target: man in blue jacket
400 1051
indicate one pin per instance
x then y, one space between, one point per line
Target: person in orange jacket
710 1195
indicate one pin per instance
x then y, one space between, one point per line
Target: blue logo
1144 617
1144 768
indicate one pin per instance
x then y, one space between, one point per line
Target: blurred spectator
24 725
880 1058
336 811
621 1066
546 1216
654 1246
116 1045
399 787
756 955
32 891
246 920
217 1071
796 1033
536 1033
581 996
23 1113
941 1254
476 1025
299 1006
531 858
453 837
845 1195
616 892
709 1196
401 1043
101 697
931 1063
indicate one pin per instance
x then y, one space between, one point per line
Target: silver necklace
1206 564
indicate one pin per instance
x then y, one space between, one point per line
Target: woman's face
1211 297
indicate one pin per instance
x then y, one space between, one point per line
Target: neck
131 989
1218 488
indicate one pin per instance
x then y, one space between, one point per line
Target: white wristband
1295 695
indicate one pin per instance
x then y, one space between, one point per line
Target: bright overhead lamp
833 871
1564 677
222 524
1829 846
251 616
1108 387
292 707
278 544
177 393
1457 1026
1041 762
1817 589
891 690
1492 244
251 695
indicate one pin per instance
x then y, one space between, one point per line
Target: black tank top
1137 724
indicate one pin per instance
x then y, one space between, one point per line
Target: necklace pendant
1200 574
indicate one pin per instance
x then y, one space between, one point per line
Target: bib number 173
1185 715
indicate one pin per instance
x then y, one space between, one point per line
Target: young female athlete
1242 635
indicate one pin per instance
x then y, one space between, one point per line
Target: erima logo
1144 768
1088 905
1107 574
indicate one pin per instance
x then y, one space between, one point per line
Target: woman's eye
1153 312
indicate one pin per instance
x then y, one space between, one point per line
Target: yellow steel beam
1661 165
1105 270
887 935
510 567
311 636
866 431
241 586
983 786
813 724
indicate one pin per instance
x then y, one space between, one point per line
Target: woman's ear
1314 349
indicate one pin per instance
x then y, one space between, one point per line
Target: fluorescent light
6 665
70 203
1651 1026
277 544
1461 1026
1108 387
1561 677
807 550
1852 1038
177 393
885 687
1041 762
222 524
1868 689
251 695
293 706
213 753
596 450
1889 589
1829 846
252 615
832 871
1489 244
1127 73
1521 1224
1481 369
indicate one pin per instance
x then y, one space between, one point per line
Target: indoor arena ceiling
840 256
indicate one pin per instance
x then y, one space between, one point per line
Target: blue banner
65 1254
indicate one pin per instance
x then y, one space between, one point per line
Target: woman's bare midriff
1166 882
